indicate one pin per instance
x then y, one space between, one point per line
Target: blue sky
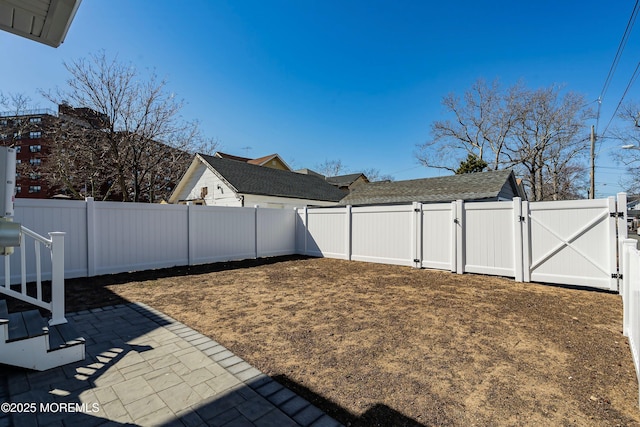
358 81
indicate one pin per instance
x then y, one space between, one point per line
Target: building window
3 136
35 189
35 148
203 192
18 161
34 175
35 161
3 122
35 134
17 135
18 148
35 119
18 189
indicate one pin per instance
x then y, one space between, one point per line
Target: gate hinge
616 275
521 219
416 260
616 214
416 210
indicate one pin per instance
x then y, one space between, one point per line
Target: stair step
26 324
4 311
64 335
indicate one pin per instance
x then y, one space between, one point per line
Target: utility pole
592 191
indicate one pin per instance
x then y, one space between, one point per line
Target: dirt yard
385 345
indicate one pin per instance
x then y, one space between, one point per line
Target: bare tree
548 139
629 135
126 137
481 124
374 175
535 132
331 168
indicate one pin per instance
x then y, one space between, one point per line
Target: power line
616 60
631 81
621 46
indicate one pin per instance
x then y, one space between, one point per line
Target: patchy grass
385 345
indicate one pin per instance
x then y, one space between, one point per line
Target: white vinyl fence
554 242
114 237
630 290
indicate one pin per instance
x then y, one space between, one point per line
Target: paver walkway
145 368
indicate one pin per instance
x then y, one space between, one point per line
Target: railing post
57 278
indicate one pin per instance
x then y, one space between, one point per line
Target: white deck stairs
27 341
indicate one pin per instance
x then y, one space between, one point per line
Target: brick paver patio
145 368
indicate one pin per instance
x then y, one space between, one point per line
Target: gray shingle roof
343 180
471 186
253 179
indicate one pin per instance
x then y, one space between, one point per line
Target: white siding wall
218 194
282 202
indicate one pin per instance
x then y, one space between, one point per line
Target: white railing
55 245
630 291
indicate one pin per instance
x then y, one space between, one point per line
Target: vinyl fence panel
139 236
43 216
114 237
573 242
326 231
382 234
275 234
489 238
438 236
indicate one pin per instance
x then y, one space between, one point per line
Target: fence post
306 229
90 205
57 278
627 245
460 237
417 235
526 239
255 230
348 232
518 223
622 220
454 239
191 249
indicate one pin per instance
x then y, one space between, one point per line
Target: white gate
573 243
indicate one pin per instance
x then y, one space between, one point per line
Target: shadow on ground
377 415
115 339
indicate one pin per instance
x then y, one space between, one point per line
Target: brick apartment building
27 132
30 132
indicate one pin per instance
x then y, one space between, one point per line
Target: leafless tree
126 136
628 133
538 133
331 168
481 124
374 175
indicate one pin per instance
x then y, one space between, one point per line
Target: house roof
253 179
344 180
222 155
471 186
260 161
